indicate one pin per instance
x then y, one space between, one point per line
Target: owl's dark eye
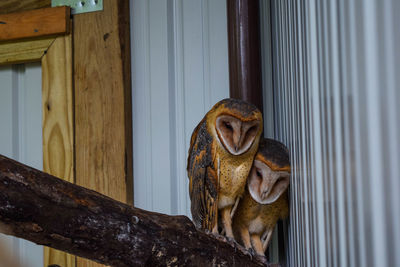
252 129
228 125
258 173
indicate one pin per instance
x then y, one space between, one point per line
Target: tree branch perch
49 211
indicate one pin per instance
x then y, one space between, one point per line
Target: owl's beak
264 194
239 140
266 187
237 144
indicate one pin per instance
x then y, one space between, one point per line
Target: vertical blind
336 95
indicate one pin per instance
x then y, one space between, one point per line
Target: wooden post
58 121
103 120
244 51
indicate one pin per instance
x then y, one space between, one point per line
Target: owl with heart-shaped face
221 153
265 199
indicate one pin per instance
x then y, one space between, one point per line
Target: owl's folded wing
203 179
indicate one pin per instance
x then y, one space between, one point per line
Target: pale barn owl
222 149
265 200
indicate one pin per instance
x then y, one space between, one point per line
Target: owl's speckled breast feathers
231 173
249 211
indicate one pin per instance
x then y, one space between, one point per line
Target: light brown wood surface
24 51
35 23
102 102
58 120
8 6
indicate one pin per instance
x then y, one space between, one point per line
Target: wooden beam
103 108
35 23
49 211
102 76
58 120
24 51
9 6
244 51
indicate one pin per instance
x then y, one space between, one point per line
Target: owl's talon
252 252
223 238
217 236
232 241
263 259
229 239
249 253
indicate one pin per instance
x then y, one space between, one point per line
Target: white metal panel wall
336 76
21 137
179 70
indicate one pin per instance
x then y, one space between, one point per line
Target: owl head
237 125
270 174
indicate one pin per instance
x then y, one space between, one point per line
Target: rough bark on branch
49 211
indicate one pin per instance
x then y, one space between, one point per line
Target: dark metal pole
244 51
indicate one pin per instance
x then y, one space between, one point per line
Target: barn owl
222 149
265 198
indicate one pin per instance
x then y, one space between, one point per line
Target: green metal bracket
80 6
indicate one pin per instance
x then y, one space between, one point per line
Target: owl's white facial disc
236 135
265 185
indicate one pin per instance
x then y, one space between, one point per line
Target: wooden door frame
86 100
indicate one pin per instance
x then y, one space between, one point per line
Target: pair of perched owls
238 182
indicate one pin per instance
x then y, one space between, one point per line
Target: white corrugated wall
336 76
179 70
21 137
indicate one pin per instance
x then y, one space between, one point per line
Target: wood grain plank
58 133
102 102
125 48
8 6
24 51
35 23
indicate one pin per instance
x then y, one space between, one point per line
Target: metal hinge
80 6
